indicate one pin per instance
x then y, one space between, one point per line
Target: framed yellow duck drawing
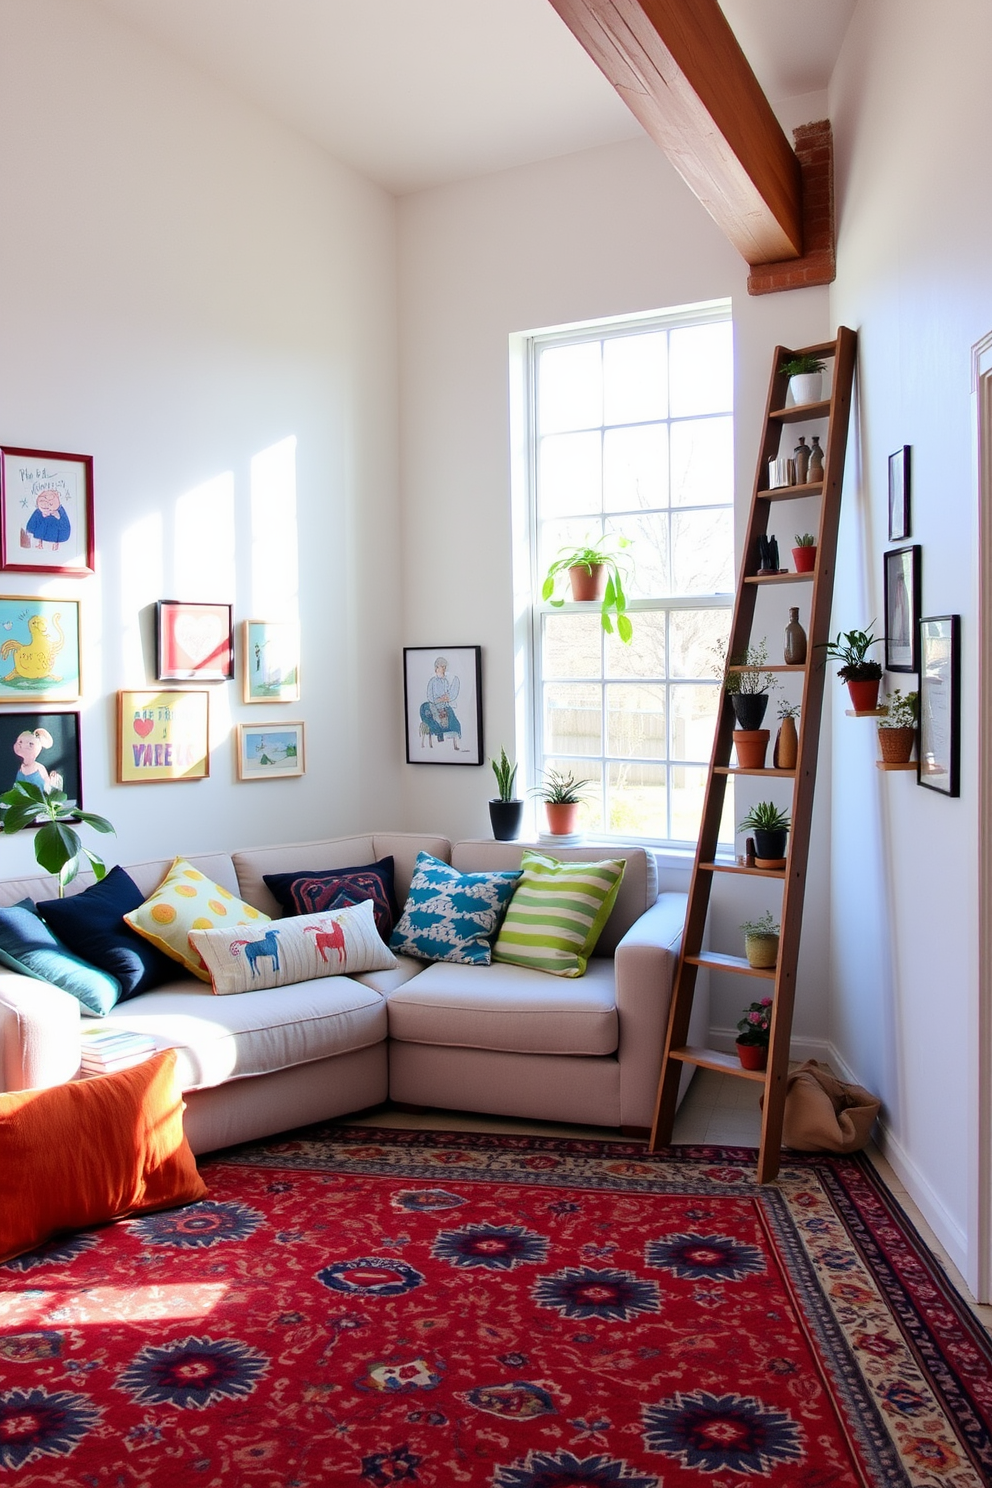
39 649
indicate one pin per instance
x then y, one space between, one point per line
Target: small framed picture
899 527
442 687
42 749
270 661
195 642
902 609
46 499
940 704
163 736
39 649
270 751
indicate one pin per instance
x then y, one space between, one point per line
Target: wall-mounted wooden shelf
884 765
867 713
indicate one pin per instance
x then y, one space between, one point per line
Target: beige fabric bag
823 1114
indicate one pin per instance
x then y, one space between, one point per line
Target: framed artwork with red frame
46 511
195 642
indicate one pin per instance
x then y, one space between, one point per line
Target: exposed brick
815 153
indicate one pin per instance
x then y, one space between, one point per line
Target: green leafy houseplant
765 817
57 847
505 773
754 1028
592 556
560 788
851 649
801 366
901 710
806 541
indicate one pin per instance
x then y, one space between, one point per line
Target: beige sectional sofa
497 1039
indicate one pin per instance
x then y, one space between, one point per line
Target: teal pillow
27 945
452 916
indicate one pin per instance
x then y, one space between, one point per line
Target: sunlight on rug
371 1307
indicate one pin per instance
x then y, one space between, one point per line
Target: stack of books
108 1049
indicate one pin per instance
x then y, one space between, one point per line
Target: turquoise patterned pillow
452 916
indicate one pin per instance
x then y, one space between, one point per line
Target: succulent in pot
805 374
595 572
862 676
771 833
562 797
897 730
754 1032
505 810
804 553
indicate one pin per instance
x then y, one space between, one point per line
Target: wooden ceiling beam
680 70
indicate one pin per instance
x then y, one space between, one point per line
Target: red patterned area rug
366 1307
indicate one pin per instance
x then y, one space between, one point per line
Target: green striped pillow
557 913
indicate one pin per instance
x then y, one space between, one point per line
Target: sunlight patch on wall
203 567
141 585
274 535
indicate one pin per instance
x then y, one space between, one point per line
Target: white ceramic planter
807 387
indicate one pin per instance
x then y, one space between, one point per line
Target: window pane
650 572
569 478
572 646
635 378
635 467
570 387
702 462
698 641
701 370
694 709
645 656
635 722
573 722
591 810
637 802
702 552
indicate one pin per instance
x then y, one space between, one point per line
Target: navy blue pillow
28 946
311 893
92 925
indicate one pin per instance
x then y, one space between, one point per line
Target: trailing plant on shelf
57 845
900 710
506 774
597 559
801 366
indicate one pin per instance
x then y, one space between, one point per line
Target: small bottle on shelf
815 469
795 640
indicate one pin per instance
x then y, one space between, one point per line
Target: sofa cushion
293 949
186 900
508 1008
92 925
557 913
335 852
28 946
333 888
452 916
403 970
229 1038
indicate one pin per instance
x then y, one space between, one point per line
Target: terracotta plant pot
761 951
753 1056
749 708
505 817
751 746
561 817
864 695
587 583
896 744
804 559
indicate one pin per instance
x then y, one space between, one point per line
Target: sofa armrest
646 959
39 1033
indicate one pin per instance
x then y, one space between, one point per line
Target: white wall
184 285
599 233
909 103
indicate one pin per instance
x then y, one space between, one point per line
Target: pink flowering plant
756 1023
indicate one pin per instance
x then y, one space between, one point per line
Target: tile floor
715 1110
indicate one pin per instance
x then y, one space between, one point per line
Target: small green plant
560 788
806 541
765 817
801 366
851 648
751 679
588 556
788 710
505 775
57 847
755 1026
901 710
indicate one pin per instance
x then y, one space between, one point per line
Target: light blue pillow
452 916
27 945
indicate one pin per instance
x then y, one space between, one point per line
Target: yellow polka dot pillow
187 900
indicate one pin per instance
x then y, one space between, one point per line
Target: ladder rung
719 962
771 667
714 1059
742 868
781 578
791 493
801 411
739 770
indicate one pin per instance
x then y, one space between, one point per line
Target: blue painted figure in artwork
27 747
437 715
48 523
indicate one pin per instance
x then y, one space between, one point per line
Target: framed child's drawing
42 749
270 751
195 642
46 511
442 688
270 661
162 736
39 649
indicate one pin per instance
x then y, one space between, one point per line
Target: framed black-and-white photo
940 703
899 527
442 689
902 609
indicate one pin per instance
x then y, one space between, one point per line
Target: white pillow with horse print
249 958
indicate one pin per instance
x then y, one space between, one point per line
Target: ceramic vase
795 636
786 745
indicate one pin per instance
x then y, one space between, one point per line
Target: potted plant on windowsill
505 810
57 847
861 675
897 730
805 374
753 1033
804 553
594 572
771 834
748 688
562 797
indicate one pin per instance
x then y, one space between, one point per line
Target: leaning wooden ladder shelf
779 980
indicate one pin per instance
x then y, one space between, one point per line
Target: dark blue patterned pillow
452 916
312 893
